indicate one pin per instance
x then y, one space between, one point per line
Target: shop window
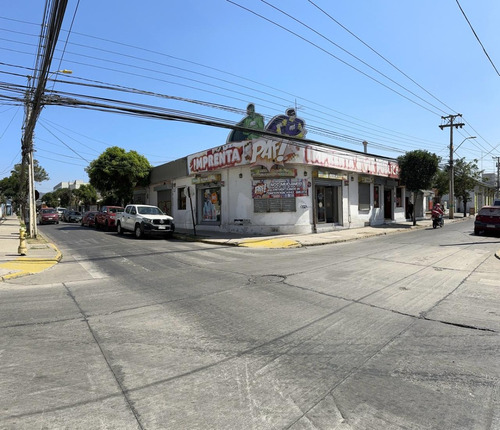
376 196
399 198
210 210
363 197
181 198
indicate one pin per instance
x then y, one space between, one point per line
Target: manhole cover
267 279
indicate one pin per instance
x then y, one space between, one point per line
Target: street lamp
452 177
470 137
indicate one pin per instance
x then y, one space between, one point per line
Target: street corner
31 265
270 243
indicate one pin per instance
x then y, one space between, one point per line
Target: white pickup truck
144 220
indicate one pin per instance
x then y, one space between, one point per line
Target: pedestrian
410 210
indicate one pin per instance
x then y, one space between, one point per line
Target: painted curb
29 262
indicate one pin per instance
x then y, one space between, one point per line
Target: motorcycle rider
437 213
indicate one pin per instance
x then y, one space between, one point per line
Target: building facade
71 185
269 186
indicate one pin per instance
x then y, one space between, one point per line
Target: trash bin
472 211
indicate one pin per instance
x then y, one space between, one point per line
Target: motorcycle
437 220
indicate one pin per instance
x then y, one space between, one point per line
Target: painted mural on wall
286 125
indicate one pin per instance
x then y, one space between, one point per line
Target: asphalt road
393 332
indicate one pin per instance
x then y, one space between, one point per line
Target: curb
42 263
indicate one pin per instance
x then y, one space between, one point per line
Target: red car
88 219
48 216
106 217
487 220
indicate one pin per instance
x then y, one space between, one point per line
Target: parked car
487 220
72 216
88 218
48 216
106 217
145 220
64 215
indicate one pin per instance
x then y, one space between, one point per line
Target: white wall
237 207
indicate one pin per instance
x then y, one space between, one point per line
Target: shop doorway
327 204
165 201
388 204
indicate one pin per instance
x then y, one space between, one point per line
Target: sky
381 71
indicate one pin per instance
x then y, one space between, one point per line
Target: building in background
72 185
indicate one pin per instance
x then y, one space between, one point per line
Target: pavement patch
270 243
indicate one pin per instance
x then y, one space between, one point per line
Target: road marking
89 267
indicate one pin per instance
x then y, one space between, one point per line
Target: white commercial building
269 186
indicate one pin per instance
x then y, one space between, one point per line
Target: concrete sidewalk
311 239
42 255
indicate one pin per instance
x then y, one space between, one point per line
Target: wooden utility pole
497 191
51 27
450 123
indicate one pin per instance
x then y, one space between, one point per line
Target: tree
65 195
442 181
9 187
40 174
466 177
117 172
86 194
417 170
51 199
17 188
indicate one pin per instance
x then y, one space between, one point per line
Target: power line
350 53
380 55
333 56
183 77
477 37
316 130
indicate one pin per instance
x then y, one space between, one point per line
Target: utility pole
497 193
27 150
450 123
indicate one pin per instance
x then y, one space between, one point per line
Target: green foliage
466 177
417 169
40 174
13 188
9 187
442 182
117 172
51 200
65 195
86 194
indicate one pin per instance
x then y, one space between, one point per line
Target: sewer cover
267 279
